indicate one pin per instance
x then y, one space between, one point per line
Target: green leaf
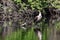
14 0
18 1
29 0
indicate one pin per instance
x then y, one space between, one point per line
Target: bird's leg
39 33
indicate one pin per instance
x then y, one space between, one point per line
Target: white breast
39 16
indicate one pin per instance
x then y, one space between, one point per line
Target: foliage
33 4
39 4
